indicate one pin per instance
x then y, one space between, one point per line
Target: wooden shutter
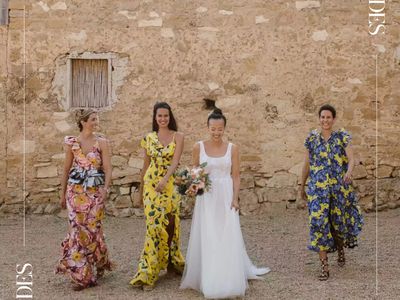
3 12
89 86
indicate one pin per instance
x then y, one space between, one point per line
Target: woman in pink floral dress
85 184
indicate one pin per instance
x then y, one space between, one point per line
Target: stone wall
268 64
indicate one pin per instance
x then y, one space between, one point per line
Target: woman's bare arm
69 157
304 175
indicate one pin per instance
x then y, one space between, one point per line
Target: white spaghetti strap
201 147
230 149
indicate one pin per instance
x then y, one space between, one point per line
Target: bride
216 262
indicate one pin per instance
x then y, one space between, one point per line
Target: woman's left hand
161 185
235 205
347 178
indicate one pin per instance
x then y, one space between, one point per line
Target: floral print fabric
158 207
334 215
84 248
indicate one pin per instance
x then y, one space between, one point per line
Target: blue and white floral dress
332 205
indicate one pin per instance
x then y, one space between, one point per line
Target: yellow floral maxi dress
157 208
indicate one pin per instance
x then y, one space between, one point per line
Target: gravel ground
276 241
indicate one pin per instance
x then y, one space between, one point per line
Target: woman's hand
161 185
103 192
63 202
303 192
235 205
348 177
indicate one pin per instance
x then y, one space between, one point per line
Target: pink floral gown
84 248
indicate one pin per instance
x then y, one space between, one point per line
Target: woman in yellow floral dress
85 183
335 219
162 150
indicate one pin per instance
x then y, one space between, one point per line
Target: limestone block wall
268 64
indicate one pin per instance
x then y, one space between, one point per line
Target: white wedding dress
217 263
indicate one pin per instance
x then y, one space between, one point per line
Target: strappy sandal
138 285
171 269
341 259
324 271
77 287
101 270
100 273
148 287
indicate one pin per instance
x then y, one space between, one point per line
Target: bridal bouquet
192 182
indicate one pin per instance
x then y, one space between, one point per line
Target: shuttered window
3 12
89 83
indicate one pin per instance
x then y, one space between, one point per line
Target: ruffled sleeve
309 141
144 144
70 140
344 137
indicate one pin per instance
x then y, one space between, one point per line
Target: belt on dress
87 178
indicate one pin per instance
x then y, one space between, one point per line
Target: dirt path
278 242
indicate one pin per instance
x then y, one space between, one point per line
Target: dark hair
172 123
216 115
327 107
83 115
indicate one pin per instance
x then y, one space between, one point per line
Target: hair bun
78 115
216 114
217 111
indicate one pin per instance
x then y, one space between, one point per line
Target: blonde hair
83 115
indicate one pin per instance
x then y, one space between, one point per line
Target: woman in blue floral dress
334 217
